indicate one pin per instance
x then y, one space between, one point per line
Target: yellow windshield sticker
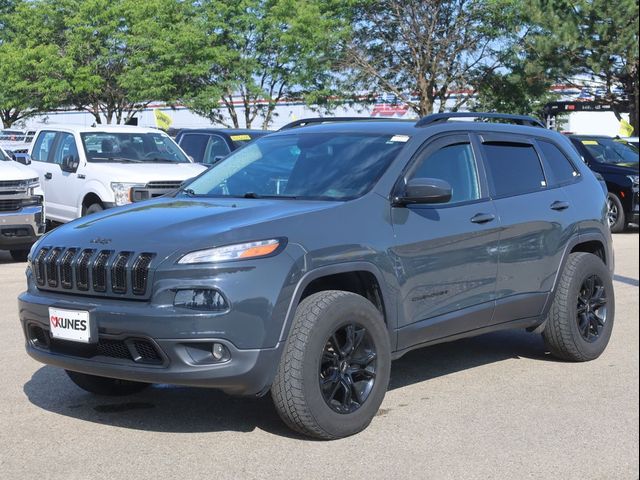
240 138
589 142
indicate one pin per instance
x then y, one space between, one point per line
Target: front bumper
21 229
129 347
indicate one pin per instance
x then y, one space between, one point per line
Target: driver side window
454 164
66 146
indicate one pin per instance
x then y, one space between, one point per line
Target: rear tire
19 255
615 214
335 367
104 385
581 318
93 208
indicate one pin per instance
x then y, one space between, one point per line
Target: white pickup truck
87 169
21 207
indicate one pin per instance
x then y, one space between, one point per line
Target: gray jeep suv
306 261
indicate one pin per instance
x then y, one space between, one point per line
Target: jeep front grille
92 272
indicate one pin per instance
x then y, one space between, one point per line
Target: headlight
239 251
122 192
634 179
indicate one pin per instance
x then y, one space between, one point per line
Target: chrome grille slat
140 273
119 273
39 267
66 270
51 262
99 271
82 270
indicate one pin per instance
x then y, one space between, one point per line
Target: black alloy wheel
348 368
591 311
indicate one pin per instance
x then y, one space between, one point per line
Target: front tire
105 386
19 255
615 214
335 367
93 208
581 318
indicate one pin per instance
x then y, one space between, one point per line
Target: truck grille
90 271
10 204
154 189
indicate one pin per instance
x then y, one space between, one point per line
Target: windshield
131 147
240 139
3 156
322 166
608 150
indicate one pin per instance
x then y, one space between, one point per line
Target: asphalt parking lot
496 406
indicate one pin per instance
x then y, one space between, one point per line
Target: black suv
210 145
617 161
308 260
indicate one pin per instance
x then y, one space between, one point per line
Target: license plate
74 325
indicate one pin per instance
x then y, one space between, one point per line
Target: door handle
48 176
558 205
483 218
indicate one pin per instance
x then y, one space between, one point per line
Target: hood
10 170
620 168
166 225
146 172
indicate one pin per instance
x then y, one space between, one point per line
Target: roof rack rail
303 122
443 117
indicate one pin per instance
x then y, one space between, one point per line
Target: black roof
226 131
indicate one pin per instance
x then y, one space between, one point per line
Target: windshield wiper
255 195
115 159
159 160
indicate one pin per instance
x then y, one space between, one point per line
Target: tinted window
330 166
42 146
216 149
608 150
513 168
559 168
66 146
456 165
194 144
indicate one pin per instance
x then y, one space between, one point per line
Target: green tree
594 40
108 57
261 51
427 50
30 80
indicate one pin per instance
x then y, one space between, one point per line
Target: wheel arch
594 243
362 278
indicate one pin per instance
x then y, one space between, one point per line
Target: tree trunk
634 111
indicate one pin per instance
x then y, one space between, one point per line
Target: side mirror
70 163
425 190
23 158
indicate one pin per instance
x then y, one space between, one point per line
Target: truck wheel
93 208
104 385
19 255
615 214
580 321
335 367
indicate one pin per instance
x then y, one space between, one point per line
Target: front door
446 255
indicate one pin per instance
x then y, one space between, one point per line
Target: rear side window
513 169
194 144
43 146
559 168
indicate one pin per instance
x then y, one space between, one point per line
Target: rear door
535 222
446 255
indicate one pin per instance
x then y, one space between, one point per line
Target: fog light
220 352
201 299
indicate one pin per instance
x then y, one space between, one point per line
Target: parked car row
83 170
617 161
